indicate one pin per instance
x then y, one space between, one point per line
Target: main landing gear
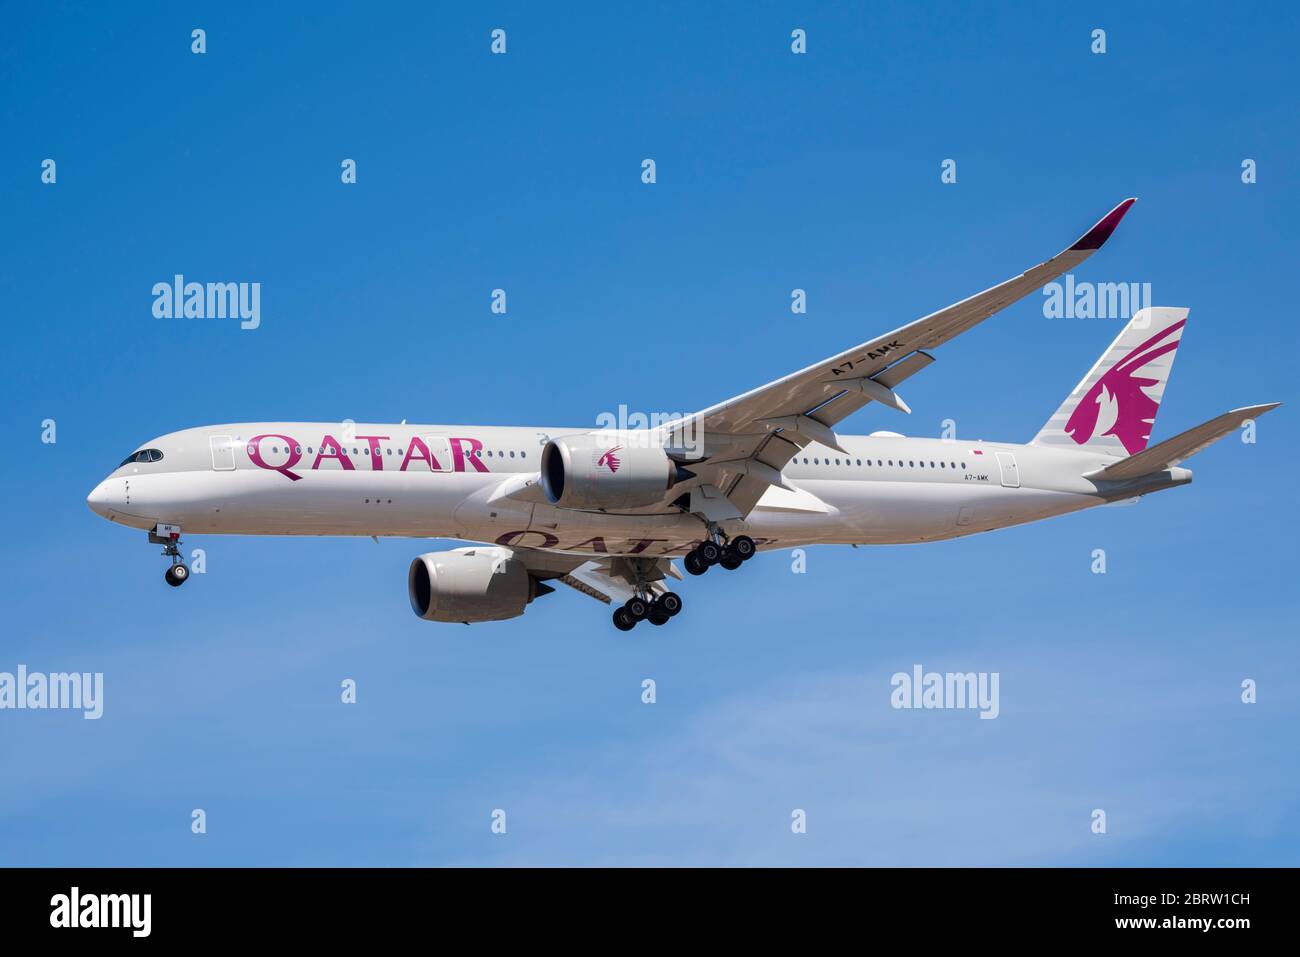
655 610
730 555
169 537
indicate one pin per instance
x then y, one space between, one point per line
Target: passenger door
440 449
1007 466
223 452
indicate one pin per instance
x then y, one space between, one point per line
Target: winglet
1094 237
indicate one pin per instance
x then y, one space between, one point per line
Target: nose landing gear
169 537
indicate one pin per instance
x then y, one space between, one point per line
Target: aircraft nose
101 498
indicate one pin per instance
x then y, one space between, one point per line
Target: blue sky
522 171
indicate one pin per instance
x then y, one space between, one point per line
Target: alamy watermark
127 911
36 690
1094 300
949 690
673 431
179 299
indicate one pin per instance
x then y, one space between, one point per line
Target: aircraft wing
610 580
750 438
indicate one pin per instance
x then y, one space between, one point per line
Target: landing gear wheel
744 546
623 620
638 608
657 616
709 553
731 559
177 575
670 603
694 563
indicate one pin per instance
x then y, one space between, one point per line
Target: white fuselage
480 484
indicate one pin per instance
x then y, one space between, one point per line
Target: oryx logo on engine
609 459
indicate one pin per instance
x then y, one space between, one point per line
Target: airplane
605 511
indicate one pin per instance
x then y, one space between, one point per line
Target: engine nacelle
480 583
605 471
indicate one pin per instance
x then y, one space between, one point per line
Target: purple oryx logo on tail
1117 404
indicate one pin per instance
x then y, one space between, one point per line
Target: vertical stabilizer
1114 408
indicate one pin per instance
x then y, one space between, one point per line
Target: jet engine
471 584
605 471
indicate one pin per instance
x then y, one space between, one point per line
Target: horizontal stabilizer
1183 446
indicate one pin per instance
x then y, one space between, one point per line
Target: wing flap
613 580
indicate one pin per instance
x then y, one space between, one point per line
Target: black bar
328 906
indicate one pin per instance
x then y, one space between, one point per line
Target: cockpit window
144 455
